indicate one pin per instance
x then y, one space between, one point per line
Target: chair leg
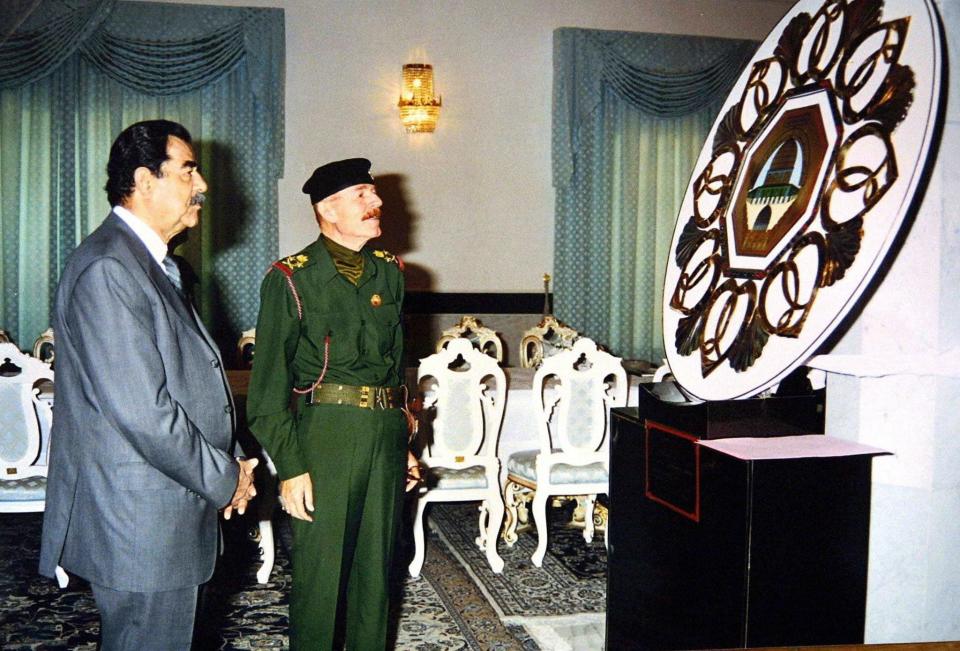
589 502
510 498
266 506
267 550
540 519
606 534
494 511
62 578
481 540
418 540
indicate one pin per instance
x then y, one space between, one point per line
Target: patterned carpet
572 580
450 607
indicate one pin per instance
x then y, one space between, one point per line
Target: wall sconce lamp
419 108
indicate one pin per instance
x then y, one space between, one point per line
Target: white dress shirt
154 243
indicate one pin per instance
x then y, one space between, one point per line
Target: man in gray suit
143 422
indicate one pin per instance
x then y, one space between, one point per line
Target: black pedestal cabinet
712 551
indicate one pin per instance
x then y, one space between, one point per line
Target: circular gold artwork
809 172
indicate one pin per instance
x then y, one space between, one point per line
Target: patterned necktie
173 273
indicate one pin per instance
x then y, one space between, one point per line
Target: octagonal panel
808 174
780 179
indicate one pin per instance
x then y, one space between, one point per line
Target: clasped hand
245 488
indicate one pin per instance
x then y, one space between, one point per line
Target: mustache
372 214
198 199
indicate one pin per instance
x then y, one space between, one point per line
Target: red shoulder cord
288 275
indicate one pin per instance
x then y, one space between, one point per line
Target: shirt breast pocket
344 331
387 320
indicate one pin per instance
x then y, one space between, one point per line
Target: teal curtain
73 74
630 115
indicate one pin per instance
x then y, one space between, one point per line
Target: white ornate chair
23 416
469 327
245 348
573 393
467 395
548 337
44 347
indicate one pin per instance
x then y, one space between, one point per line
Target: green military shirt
362 321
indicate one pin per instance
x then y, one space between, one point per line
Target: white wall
485 172
913 591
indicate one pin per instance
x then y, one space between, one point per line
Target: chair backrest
469 395
246 346
44 348
547 338
484 338
574 391
20 411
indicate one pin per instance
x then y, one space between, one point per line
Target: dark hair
143 144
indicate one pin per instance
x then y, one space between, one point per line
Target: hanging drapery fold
670 95
29 55
170 67
76 72
630 112
147 65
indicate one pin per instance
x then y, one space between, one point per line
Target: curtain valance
40 46
144 47
166 68
661 75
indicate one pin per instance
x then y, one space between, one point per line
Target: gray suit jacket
142 425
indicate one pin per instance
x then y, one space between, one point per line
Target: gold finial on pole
546 294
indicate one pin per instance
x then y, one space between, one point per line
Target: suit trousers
342 560
145 621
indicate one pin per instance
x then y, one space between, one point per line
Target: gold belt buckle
364 397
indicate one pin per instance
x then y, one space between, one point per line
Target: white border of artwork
912 140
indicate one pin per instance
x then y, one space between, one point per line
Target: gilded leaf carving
840 250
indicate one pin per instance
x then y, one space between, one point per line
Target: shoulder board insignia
289 264
294 262
389 257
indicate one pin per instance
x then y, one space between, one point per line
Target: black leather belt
363 397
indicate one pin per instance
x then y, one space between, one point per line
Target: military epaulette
389 257
291 263
287 266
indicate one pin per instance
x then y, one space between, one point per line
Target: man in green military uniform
329 333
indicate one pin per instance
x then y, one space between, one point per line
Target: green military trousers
357 461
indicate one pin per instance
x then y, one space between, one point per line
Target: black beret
333 177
